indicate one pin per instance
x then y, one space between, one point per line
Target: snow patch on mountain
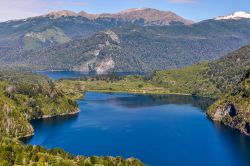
236 15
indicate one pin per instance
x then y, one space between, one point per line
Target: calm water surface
159 130
56 75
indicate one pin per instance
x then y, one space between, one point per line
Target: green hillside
206 79
226 80
233 108
130 48
12 152
25 96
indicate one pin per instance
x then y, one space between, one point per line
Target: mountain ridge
151 16
62 26
235 15
138 48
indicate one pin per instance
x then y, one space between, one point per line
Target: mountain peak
135 10
62 13
235 15
150 16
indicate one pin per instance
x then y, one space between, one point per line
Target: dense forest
226 80
12 152
207 79
233 108
138 48
25 96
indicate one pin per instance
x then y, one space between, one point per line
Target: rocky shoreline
63 114
229 115
47 117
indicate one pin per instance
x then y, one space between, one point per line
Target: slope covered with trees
63 26
233 108
25 96
139 48
12 152
208 78
226 80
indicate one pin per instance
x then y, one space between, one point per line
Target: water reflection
135 101
239 142
157 129
49 122
56 75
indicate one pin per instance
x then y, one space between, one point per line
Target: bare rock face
151 16
62 13
113 36
222 112
97 63
147 15
105 66
230 116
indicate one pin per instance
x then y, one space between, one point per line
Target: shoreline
142 93
47 117
104 91
62 114
26 136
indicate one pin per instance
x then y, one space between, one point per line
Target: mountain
235 15
232 73
145 16
210 79
225 80
139 48
63 26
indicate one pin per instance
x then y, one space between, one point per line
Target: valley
114 47
135 85
212 80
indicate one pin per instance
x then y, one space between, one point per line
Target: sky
196 10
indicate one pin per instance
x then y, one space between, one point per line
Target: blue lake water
159 130
56 75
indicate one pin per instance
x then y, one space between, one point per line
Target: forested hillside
63 26
226 80
233 108
25 96
208 78
12 152
140 48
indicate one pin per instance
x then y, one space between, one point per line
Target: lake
56 75
159 130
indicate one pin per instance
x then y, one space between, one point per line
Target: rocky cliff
233 109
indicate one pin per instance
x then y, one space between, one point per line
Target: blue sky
192 9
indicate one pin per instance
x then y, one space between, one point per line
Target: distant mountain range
63 26
132 40
146 16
